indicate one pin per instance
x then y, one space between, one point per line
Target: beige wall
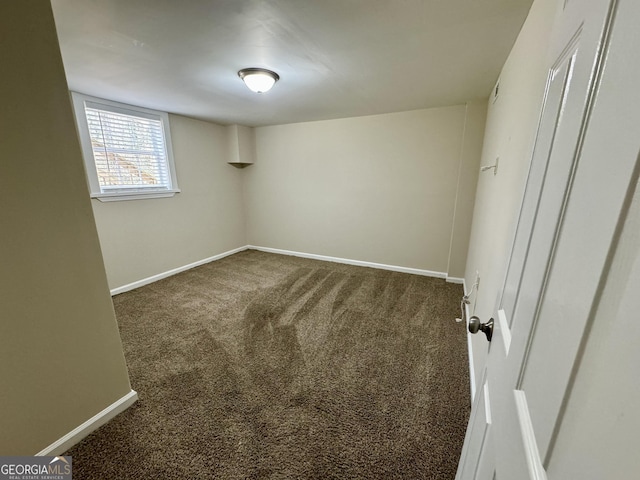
476 114
379 189
61 360
510 130
142 238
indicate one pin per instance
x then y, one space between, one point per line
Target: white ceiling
336 58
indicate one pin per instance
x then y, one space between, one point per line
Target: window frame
79 101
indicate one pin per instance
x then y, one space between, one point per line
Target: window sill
120 196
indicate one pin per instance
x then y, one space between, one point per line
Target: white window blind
128 150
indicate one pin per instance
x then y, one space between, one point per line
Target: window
127 150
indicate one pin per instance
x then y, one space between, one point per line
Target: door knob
475 325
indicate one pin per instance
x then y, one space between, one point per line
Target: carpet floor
264 366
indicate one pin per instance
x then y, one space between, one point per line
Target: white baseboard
472 369
74 436
359 263
168 273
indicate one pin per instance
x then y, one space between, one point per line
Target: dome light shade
259 80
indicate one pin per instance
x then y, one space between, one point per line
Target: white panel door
566 228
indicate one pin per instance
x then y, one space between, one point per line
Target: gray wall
61 359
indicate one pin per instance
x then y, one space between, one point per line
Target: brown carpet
268 366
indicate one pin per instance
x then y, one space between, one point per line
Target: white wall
510 131
61 359
142 238
379 189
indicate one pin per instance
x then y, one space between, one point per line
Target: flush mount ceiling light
259 80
